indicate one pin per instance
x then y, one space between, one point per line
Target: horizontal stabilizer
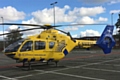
106 41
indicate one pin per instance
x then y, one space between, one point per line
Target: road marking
86 65
23 76
44 72
54 71
82 65
101 69
84 77
113 65
8 78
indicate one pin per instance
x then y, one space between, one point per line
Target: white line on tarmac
23 76
84 77
53 71
101 69
42 72
113 65
77 76
86 65
8 78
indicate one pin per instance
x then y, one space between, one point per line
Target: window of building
39 45
117 39
27 46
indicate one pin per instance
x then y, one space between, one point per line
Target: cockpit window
39 45
28 46
14 47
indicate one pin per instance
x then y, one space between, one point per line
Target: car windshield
13 47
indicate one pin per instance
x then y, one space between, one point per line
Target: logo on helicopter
26 54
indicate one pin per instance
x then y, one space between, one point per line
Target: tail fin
106 41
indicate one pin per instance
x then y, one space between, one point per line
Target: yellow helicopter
50 45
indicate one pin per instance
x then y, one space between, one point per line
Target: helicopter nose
11 55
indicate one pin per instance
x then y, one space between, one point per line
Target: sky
66 12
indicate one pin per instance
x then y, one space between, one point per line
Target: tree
118 24
14 36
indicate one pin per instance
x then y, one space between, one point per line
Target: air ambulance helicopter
50 45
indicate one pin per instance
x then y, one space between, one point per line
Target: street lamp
53 4
3 33
112 18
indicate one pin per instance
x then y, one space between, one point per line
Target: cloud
32 32
101 19
65 14
46 15
9 13
62 15
86 33
73 28
89 32
86 20
98 2
13 27
75 36
93 11
90 2
114 11
114 2
1 32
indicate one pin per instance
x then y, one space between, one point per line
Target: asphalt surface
78 65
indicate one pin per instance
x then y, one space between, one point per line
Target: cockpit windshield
14 47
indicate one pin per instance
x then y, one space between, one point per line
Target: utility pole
112 18
53 4
3 33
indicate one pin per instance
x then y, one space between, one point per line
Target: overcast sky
66 12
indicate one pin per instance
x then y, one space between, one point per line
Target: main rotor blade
19 31
20 24
46 26
80 24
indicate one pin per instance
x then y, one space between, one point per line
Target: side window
27 46
39 45
51 44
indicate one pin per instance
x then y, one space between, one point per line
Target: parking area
78 65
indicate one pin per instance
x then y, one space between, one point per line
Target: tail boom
85 43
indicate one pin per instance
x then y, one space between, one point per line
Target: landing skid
28 65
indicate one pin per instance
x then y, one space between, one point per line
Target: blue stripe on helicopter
65 52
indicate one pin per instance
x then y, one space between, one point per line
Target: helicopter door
27 50
50 49
39 50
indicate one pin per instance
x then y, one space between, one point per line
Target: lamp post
112 18
3 33
53 4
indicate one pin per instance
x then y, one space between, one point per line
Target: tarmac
78 65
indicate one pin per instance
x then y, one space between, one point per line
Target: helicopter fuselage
47 46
